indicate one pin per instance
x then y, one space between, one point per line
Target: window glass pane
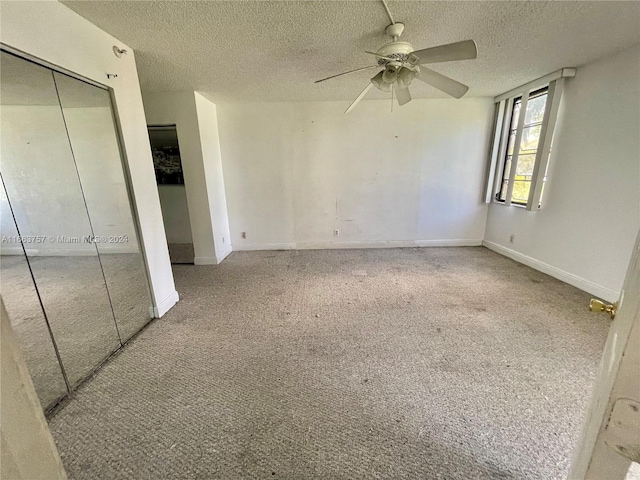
512 139
516 114
535 109
530 137
520 191
525 165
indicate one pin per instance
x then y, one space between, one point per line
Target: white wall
294 172
51 32
591 211
212 158
175 213
202 174
27 449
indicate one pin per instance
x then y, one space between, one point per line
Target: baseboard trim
456 242
246 247
205 261
164 306
461 242
388 244
567 277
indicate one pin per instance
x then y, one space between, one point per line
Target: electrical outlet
336 233
512 238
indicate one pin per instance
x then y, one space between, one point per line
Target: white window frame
504 108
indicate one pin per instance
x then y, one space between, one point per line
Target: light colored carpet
451 363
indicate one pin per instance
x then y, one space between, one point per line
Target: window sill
496 202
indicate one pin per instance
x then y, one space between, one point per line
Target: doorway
171 190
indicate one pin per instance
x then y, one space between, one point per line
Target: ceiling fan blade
380 56
402 94
359 97
465 50
345 73
441 82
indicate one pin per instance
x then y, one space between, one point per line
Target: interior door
611 436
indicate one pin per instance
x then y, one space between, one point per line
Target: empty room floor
450 363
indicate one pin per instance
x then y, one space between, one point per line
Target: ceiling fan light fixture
380 84
405 77
390 74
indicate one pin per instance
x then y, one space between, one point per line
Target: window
524 126
529 142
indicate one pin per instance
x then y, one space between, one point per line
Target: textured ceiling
273 51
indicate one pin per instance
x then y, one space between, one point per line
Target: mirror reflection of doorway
171 189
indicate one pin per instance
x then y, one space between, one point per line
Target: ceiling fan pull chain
392 99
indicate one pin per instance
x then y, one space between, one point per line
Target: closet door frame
124 162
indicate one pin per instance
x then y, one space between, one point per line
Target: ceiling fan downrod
395 30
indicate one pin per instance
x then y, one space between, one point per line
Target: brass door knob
596 305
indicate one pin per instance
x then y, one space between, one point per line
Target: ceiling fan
401 64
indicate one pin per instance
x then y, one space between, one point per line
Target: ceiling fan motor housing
398 50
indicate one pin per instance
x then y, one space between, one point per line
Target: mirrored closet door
72 273
93 138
